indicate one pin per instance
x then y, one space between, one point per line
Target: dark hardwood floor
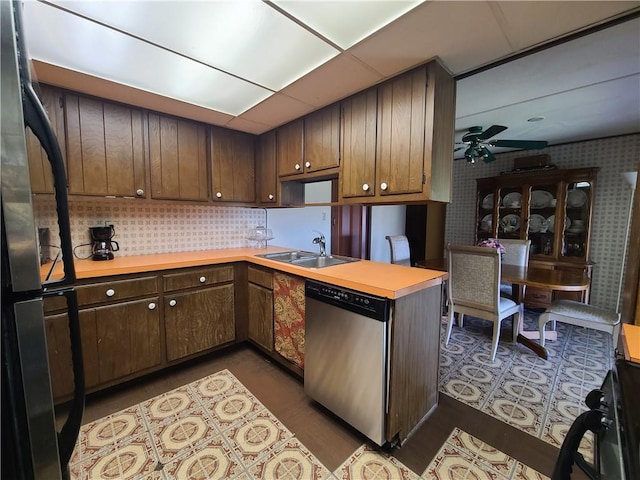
326 436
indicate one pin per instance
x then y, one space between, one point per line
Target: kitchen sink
307 259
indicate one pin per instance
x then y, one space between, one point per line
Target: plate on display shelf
485 223
512 200
552 220
537 223
510 223
576 198
487 201
540 199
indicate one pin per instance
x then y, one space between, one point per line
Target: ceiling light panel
63 39
346 22
246 38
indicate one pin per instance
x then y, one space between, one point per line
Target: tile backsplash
147 227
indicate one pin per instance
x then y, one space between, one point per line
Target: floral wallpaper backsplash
147 227
613 195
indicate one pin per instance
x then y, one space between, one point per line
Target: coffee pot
102 247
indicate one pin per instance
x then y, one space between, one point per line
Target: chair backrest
474 277
400 253
516 252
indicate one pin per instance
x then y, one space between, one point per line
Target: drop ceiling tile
244 125
336 79
246 38
72 42
463 34
569 65
346 22
531 23
277 110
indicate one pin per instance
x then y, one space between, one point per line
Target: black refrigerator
32 446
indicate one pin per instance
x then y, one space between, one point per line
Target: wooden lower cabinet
198 320
289 317
59 349
261 316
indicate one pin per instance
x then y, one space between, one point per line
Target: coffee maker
102 247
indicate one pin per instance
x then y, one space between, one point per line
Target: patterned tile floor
215 428
540 397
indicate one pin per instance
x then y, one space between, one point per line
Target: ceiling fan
476 143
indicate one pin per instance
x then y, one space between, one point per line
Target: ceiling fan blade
459 148
492 131
523 144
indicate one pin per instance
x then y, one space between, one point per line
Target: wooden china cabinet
553 209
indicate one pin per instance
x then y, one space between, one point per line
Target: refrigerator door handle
35 118
71 428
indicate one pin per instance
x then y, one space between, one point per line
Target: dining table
557 280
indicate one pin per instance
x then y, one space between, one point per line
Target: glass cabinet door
543 225
510 222
484 228
577 201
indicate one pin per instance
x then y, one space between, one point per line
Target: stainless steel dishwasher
346 355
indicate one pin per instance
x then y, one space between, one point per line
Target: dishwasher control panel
358 302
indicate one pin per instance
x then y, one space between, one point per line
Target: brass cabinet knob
111 292
172 303
271 197
219 194
307 165
152 306
140 192
297 167
384 186
203 279
365 187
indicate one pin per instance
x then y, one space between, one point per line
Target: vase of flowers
493 243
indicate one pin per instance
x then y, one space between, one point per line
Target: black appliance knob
595 399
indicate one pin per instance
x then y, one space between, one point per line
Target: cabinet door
178 158
289 317
359 115
401 127
105 148
59 352
232 166
125 337
266 168
544 227
261 316
198 320
40 175
322 139
289 148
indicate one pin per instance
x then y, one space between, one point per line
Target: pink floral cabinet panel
288 318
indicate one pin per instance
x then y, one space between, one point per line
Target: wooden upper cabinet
401 132
266 168
232 166
322 139
40 174
178 158
289 148
359 144
105 148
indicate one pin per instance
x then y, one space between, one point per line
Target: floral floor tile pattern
540 397
215 428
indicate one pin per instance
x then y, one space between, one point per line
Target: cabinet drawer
261 277
537 296
195 278
116 290
54 304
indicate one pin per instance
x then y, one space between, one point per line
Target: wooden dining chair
400 252
474 289
516 252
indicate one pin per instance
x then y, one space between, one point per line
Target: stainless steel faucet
320 241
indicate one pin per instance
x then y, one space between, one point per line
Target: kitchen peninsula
140 314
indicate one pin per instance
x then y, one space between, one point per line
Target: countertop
375 278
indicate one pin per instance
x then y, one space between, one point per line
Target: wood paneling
199 320
105 148
322 139
122 289
197 278
266 168
359 119
178 158
40 175
415 357
232 166
289 148
261 316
